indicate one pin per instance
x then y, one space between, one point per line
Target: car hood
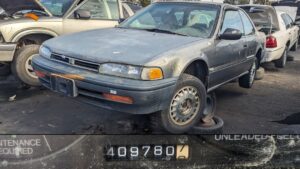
135 47
12 6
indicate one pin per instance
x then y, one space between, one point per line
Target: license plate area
64 86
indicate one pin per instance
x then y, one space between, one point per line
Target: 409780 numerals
146 152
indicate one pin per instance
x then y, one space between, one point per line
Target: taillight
271 42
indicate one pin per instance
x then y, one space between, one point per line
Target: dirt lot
271 106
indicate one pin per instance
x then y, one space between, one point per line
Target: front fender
186 63
18 35
175 62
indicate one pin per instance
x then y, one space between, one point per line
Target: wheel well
259 56
33 39
198 69
288 44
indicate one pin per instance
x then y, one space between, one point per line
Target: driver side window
102 9
232 20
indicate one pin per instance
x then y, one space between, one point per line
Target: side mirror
231 34
82 14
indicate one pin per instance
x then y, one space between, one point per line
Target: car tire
295 46
21 66
247 80
210 107
281 62
187 104
4 69
260 73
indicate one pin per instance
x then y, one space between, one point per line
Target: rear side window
232 20
249 29
286 20
289 18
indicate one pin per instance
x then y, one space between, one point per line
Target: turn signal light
32 16
116 98
40 74
271 42
155 74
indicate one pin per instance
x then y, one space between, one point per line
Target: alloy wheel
184 106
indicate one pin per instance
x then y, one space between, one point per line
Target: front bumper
148 96
7 51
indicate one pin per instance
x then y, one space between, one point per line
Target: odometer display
146 152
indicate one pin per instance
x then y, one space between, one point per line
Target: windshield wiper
164 31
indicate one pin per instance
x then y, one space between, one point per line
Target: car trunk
264 18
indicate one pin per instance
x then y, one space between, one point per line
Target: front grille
60 58
75 62
86 64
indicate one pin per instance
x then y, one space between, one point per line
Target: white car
282 33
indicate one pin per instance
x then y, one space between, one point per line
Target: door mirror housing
231 34
82 14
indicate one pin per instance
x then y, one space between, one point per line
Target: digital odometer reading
146 152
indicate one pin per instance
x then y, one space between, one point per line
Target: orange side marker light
116 98
32 16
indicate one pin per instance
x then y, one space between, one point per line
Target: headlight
45 52
133 72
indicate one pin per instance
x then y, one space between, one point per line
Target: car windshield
188 19
57 7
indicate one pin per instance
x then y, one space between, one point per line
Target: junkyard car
282 33
26 24
164 59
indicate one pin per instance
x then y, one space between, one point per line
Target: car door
250 46
104 14
288 27
294 29
228 52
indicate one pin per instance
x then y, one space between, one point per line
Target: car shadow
292 119
13 91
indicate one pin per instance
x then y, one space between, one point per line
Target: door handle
245 46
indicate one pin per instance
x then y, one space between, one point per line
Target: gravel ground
272 106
